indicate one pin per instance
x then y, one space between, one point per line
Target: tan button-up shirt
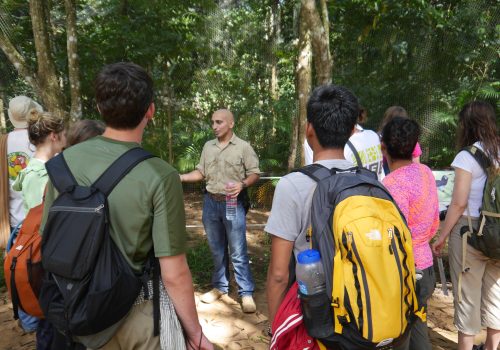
233 163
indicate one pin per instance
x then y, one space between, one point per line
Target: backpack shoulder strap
4 192
317 172
120 167
356 154
59 174
480 157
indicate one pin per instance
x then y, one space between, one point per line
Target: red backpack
23 265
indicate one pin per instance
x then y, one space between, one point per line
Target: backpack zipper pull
349 239
98 209
390 234
309 234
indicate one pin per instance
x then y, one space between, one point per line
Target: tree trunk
73 64
325 19
320 41
19 63
3 121
304 83
274 32
274 35
49 89
168 102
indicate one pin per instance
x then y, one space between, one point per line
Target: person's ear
309 130
151 111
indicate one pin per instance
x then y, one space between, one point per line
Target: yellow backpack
367 255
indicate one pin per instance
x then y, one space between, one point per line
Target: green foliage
431 57
200 263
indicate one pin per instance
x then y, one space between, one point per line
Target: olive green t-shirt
145 207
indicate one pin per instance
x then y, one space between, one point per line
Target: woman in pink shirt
389 114
413 187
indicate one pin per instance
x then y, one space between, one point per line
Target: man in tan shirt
228 165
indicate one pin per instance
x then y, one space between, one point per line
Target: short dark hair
400 136
124 92
332 110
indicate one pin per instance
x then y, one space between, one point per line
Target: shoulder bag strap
4 192
120 167
480 157
59 174
315 171
356 154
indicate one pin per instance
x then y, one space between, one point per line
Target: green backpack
486 237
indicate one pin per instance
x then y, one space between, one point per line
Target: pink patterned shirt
414 190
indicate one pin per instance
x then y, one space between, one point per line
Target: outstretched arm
178 282
193 176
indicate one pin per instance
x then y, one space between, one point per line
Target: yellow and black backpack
367 255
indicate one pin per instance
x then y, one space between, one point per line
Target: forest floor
223 321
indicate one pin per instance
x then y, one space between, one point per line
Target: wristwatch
243 185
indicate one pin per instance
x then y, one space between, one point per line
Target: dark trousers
419 338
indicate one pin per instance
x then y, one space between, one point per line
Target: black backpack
88 285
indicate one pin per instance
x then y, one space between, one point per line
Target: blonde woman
46 132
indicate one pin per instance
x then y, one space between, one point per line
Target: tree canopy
429 56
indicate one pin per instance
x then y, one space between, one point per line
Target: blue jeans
227 238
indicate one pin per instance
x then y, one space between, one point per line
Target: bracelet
243 184
269 331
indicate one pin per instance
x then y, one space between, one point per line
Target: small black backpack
89 285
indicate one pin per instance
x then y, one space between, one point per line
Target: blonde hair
41 124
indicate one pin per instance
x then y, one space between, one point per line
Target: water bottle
231 204
310 274
314 301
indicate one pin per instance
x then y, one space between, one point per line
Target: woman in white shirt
477 304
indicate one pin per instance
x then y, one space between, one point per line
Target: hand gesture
438 245
234 189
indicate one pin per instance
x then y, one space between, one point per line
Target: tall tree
73 62
319 28
48 82
304 83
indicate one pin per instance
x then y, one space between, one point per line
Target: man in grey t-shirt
332 112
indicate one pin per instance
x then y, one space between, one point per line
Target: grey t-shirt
291 211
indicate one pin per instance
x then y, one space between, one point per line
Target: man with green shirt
146 208
228 165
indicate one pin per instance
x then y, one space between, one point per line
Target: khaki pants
136 333
480 304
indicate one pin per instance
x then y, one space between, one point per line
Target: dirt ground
224 322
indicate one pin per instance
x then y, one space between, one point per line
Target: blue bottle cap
308 256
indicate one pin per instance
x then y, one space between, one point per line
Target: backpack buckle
344 321
335 303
